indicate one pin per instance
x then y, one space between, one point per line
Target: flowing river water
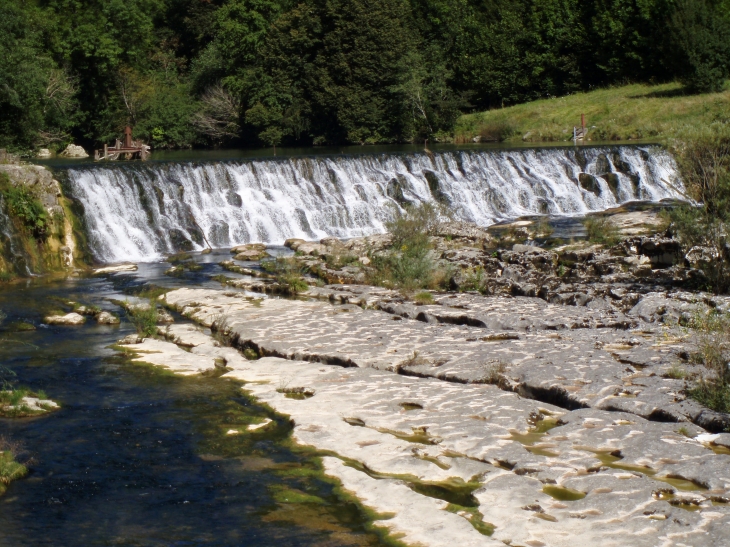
139 457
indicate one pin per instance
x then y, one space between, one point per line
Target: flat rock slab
641 482
68 319
589 367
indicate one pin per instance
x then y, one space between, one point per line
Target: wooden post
105 151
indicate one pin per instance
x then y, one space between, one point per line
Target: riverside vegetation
39 232
234 72
10 468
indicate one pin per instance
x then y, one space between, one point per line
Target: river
137 456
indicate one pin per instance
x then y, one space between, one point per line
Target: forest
210 73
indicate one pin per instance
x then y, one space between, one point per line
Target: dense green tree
36 97
699 45
247 72
624 37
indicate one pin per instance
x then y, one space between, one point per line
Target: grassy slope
622 113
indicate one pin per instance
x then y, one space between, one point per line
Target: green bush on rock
713 353
408 265
602 230
144 319
10 469
704 229
25 207
288 273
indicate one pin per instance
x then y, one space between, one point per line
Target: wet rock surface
459 452
569 356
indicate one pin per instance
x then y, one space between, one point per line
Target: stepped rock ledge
540 424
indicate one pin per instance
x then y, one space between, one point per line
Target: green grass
144 319
288 273
631 112
712 337
13 397
424 297
12 405
602 230
10 470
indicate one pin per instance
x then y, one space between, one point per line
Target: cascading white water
139 211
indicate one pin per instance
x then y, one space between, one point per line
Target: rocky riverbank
453 427
495 416
39 232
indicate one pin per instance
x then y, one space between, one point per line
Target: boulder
68 319
106 318
463 230
131 339
311 248
249 247
656 307
251 255
39 181
700 257
44 153
532 258
164 318
361 246
663 252
116 269
465 257
74 151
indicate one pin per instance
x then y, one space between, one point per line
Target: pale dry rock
116 268
106 318
68 319
74 151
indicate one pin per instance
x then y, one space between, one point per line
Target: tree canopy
270 72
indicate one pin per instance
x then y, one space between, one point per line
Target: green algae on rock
41 232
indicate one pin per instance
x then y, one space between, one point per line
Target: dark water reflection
140 457
249 154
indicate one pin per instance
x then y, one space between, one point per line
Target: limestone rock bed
543 425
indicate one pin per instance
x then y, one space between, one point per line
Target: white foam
137 212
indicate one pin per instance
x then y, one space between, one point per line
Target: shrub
473 279
24 206
424 297
408 264
704 161
713 353
144 319
602 230
496 131
7 379
10 470
542 228
288 273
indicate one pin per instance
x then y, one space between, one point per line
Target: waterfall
141 211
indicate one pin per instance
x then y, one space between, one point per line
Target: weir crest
141 211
